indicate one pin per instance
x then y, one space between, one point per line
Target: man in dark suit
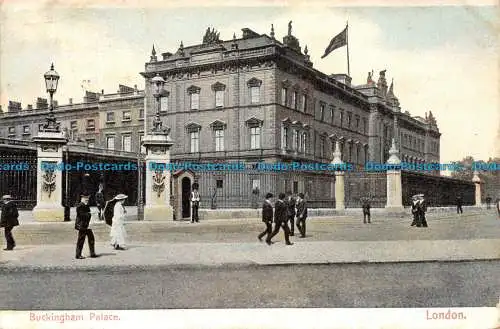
9 220
280 220
82 226
301 215
414 211
267 216
195 203
459 205
422 209
366 210
290 204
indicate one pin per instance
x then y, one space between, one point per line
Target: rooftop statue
211 36
290 28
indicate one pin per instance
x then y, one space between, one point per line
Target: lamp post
158 84
51 79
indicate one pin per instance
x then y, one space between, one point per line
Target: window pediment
297 123
192 127
306 126
254 82
254 122
333 136
323 135
218 86
193 89
286 121
217 124
286 83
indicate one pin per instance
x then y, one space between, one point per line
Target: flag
338 41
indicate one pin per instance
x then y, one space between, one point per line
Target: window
126 116
195 101
12 130
40 127
349 117
285 138
110 117
90 143
304 103
141 114
295 100
164 103
219 140
74 125
357 122
341 118
255 138
194 137
255 94
350 152
219 98
358 160
218 183
26 129
332 114
296 141
295 189
364 126
110 142
90 124
127 143
322 147
284 96
303 142
322 112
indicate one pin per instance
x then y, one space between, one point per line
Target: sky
443 59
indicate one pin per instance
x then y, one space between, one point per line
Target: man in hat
9 220
280 220
414 210
459 205
422 209
195 203
290 204
301 215
267 216
366 210
82 226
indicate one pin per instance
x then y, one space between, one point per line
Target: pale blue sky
443 59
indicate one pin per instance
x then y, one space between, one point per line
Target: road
464 284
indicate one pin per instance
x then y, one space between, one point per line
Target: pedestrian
488 202
82 223
9 220
459 205
422 209
118 233
414 210
301 215
366 210
290 203
267 216
280 220
195 203
100 203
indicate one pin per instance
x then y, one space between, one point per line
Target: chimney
71 101
90 97
55 103
14 106
30 107
122 89
102 91
248 34
41 103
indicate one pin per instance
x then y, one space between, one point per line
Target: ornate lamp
158 84
51 79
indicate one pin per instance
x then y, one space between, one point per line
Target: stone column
49 177
158 175
477 182
394 188
339 179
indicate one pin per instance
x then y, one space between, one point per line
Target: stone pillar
477 182
49 177
339 179
394 188
158 175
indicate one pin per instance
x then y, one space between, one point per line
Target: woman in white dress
118 233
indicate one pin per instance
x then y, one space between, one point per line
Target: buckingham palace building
250 99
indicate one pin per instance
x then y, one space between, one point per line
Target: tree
488 173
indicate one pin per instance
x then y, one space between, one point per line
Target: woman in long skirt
118 233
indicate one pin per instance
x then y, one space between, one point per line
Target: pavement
233 243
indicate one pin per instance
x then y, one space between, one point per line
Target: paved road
466 284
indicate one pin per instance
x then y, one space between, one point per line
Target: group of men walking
418 209
286 209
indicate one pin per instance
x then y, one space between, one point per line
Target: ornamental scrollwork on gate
158 182
49 181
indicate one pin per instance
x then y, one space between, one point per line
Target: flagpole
347 42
